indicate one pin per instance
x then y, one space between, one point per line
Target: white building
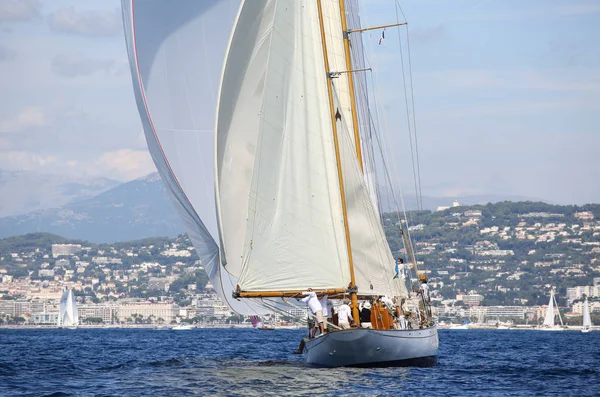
65 249
165 311
107 312
577 292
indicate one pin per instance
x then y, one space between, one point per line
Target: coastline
141 326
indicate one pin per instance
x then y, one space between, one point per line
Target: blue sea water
248 362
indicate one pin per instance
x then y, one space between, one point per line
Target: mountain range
130 211
27 191
123 211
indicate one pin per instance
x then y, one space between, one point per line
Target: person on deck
424 302
365 316
424 287
316 309
327 306
404 314
387 302
344 313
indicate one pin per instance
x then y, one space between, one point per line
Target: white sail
337 63
176 52
549 319
332 24
587 321
277 181
68 314
277 187
374 266
361 94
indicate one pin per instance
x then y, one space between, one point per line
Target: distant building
65 249
44 318
542 215
442 208
471 299
46 273
21 308
576 293
473 214
594 307
107 312
164 311
502 312
158 284
174 252
62 263
106 260
584 215
210 305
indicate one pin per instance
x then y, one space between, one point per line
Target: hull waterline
373 348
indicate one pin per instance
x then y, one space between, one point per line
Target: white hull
585 330
370 348
182 328
551 329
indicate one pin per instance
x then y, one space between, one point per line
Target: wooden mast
353 295
351 84
339 166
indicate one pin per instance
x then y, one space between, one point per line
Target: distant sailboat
68 316
182 327
587 321
548 324
256 323
465 325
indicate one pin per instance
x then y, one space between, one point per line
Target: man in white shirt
327 306
344 313
387 302
316 309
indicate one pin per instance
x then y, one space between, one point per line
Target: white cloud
23 160
18 10
74 64
127 164
86 23
31 116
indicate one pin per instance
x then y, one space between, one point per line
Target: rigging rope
410 133
412 98
383 150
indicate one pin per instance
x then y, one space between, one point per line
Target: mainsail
587 321
278 195
281 222
176 52
549 319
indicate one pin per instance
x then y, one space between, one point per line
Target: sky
506 93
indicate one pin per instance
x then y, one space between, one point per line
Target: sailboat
68 316
270 85
548 324
587 321
256 323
